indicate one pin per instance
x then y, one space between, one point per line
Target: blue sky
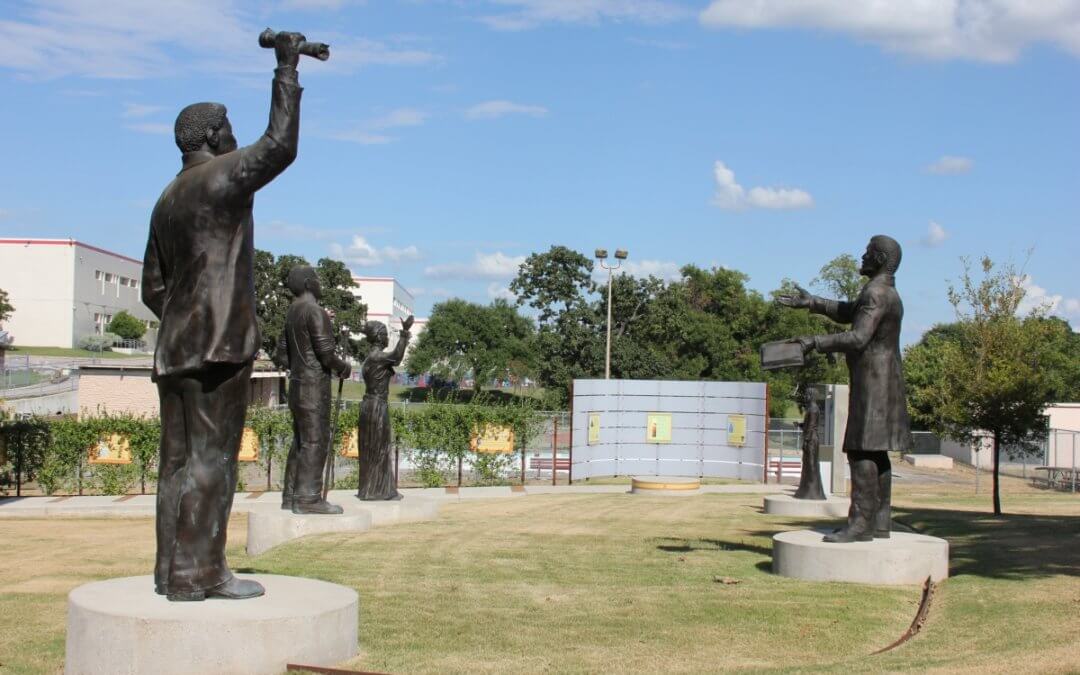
445 140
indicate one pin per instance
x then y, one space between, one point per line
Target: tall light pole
601 255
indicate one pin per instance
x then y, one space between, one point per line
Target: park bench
544 464
784 468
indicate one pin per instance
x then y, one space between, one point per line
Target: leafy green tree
6 308
464 337
840 278
991 372
273 298
552 282
349 313
126 326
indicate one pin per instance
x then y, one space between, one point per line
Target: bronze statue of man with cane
307 349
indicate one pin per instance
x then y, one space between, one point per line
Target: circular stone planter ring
665 485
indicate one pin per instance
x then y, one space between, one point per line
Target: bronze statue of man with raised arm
198 278
307 349
877 409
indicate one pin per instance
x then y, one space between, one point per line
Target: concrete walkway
142 506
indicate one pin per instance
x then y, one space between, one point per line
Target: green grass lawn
620 583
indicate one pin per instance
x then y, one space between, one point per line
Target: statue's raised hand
799 299
407 323
287 48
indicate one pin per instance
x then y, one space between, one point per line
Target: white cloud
980 30
1037 297
732 196
437 292
935 235
663 269
361 253
526 14
495 290
370 132
140 110
496 265
131 39
152 128
361 137
494 109
951 164
401 117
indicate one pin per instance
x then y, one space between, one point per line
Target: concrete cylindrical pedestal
786 505
665 485
901 559
120 626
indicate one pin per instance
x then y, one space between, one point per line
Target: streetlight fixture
601 255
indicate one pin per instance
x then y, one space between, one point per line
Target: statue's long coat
877 404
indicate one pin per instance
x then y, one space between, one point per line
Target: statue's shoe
882 534
847 535
286 504
321 507
233 589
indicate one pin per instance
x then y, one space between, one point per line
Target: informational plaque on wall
116 449
249 446
658 428
594 428
350 447
736 430
493 439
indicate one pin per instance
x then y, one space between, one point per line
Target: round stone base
665 485
786 505
121 626
901 559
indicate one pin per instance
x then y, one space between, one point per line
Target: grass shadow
680 545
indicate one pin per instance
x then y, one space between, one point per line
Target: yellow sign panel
116 449
594 428
658 428
350 446
249 446
736 429
493 439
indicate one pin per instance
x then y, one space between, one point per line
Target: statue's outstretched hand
799 299
407 322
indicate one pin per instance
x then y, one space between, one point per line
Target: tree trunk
997 461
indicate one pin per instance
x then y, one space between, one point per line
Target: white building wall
387 302
106 284
63 290
38 279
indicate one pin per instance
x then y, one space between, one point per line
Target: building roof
31 241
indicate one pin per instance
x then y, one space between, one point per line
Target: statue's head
204 126
375 332
882 253
304 278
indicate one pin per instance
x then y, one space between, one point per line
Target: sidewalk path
142 506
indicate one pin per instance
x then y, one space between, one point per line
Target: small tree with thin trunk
5 307
126 326
993 376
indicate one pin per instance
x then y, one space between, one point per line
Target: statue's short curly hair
891 248
372 330
299 277
193 122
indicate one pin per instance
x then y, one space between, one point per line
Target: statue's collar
195 158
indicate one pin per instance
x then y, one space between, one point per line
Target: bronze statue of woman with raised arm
376 461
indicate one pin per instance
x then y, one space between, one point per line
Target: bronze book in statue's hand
783 354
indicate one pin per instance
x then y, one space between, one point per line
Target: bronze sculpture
810 477
306 349
376 463
198 279
877 410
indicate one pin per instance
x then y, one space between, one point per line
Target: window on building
97 275
124 281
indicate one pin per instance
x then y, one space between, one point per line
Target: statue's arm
867 314
837 310
321 331
153 279
398 354
261 162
